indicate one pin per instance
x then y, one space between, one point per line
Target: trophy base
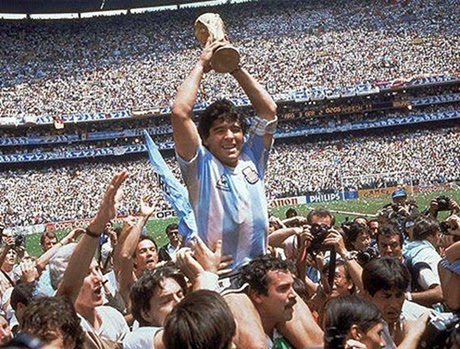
225 60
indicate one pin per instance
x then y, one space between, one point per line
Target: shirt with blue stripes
230 203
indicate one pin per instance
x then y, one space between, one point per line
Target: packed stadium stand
361 87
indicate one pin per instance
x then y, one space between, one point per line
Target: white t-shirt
141 338
113 326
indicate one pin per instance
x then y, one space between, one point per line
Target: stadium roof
80 6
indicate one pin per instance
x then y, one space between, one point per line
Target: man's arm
44 259
185 133
428 297
263 104
83 254
277 238
124 270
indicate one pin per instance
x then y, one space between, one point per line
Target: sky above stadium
117 12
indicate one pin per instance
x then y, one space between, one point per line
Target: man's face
361 221
278 305
173 236
11 257
373 228
321 220
163 301
225 141
389 245
363 241
342 285
400 200
48 242
92 289
390 303
146 256
5 331
373 338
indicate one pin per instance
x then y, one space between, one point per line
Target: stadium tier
369 84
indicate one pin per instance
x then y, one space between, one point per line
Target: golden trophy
225 59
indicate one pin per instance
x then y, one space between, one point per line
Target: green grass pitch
341 209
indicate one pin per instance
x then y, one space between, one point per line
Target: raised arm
83 254
185 133
44 259
123 255
263 104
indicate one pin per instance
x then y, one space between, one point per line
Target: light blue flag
173 191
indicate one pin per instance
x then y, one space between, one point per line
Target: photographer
443 203
402 205
401 212
357 236
449 269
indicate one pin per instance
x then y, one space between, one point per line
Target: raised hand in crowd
82 256
28 270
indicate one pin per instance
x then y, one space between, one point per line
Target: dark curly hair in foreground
49 317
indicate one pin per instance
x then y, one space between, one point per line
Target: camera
19 239
365 256
319 233
438 332
443 203
444 227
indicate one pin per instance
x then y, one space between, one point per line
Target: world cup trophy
225 59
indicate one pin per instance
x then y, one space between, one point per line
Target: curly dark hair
255 273
46 316
352 231
221 109
425 227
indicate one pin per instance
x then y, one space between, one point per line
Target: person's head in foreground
53 320
201 320
353 320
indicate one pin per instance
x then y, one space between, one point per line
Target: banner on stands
297 200
373 193
335 196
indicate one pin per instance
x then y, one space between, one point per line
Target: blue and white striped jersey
230 203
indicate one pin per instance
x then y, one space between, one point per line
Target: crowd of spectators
127 297
354 284
136 62
296 167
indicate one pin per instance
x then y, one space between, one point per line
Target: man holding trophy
224 173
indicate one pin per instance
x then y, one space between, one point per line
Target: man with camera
443 203
401 210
